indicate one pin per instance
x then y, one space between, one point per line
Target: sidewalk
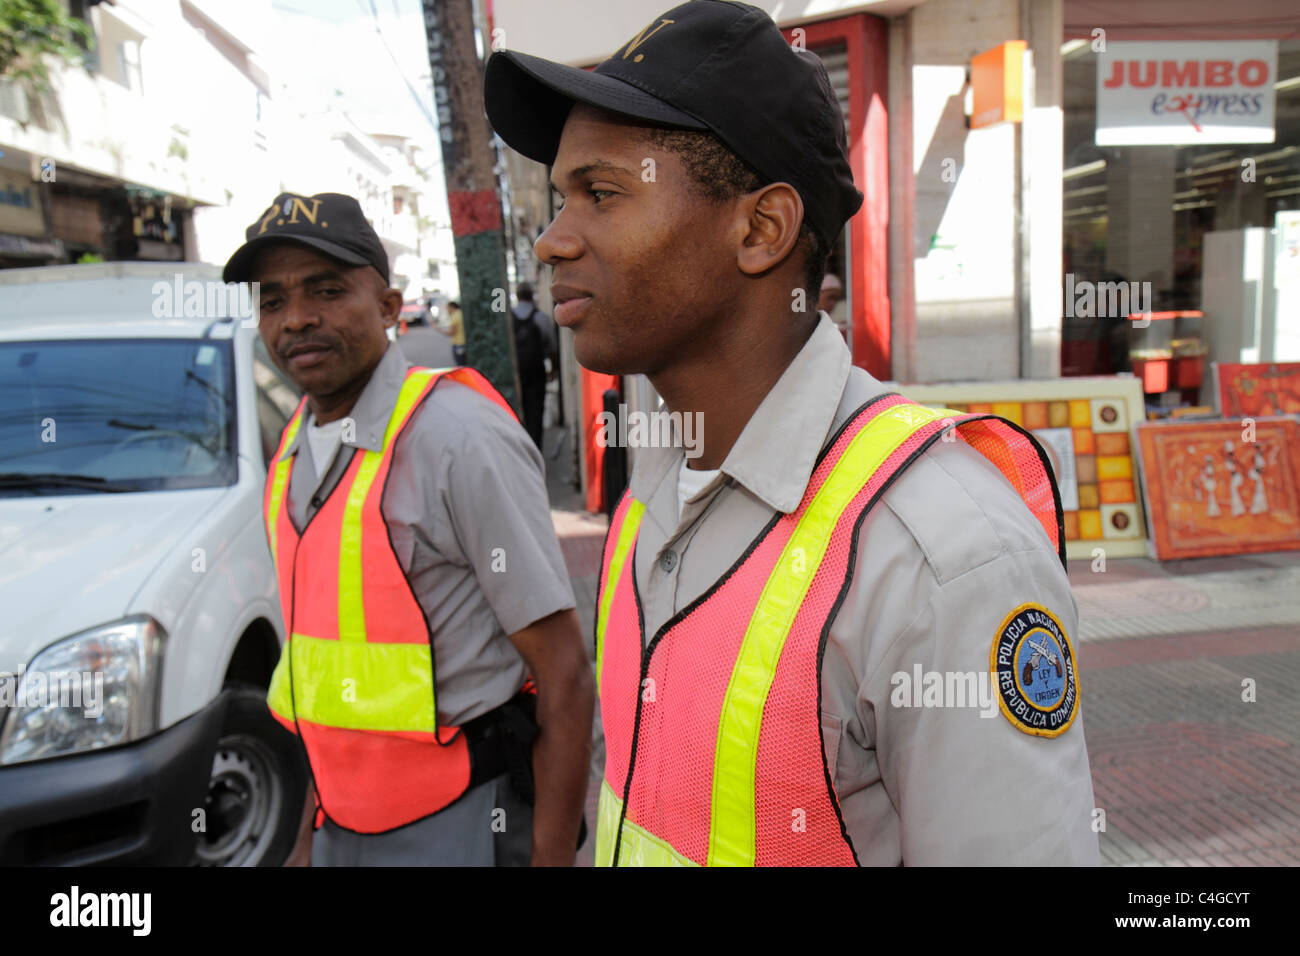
1187 772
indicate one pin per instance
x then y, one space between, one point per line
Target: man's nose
299 312
558 242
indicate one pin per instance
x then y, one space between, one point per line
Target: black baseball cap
710 65
331 223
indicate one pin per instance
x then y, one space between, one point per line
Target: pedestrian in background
456 329
534 346
433 660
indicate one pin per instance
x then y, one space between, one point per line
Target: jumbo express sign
1186 93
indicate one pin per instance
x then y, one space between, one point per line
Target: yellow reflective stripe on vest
358 686
352 609
279 483
278 696
622 548
639 847
733 824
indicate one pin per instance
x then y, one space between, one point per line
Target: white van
140 620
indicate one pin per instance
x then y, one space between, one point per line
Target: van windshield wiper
34 480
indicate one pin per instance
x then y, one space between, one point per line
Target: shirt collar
776 453
373 408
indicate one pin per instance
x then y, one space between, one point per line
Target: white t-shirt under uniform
324 441
690 483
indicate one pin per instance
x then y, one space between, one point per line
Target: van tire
253 803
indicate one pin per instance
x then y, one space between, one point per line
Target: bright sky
353 54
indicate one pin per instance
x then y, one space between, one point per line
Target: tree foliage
29 29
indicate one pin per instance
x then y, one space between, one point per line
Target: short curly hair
720 175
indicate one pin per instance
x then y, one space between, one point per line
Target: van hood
71 562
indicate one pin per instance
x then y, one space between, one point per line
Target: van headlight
95 689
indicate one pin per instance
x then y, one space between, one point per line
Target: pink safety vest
713 744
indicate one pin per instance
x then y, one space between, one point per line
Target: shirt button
668 561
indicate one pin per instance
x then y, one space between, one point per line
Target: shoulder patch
1034 669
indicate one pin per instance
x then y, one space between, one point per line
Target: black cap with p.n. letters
331 223
712 65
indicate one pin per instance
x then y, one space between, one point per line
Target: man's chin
602 367
316 382
603 360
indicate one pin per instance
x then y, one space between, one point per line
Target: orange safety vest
713 744
356 677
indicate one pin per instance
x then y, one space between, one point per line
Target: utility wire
415 95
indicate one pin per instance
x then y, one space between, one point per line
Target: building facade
976 221
183 123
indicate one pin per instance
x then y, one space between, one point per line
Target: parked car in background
416 312
135 573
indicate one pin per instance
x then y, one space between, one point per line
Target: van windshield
115 415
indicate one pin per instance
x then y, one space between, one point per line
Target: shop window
1136 218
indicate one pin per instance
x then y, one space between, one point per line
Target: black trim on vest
839 432
288 640
849 569
1051 479
636 721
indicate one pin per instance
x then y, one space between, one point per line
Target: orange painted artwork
1086 442
1221 488
1252 391
1084 430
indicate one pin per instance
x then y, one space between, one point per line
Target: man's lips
570 303
568 311
306 355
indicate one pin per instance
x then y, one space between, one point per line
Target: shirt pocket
832 731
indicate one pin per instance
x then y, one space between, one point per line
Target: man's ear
773 214
391 306
390 301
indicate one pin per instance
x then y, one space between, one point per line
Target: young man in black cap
775 614
427 607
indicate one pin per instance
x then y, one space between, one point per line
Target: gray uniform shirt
469 518
945 556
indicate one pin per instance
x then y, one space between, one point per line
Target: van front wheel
254 799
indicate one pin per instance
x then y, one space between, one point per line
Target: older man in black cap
764 606
430 622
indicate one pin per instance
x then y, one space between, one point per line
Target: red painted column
866 41
594 385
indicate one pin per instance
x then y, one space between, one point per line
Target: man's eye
329 290
267 305
597 193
